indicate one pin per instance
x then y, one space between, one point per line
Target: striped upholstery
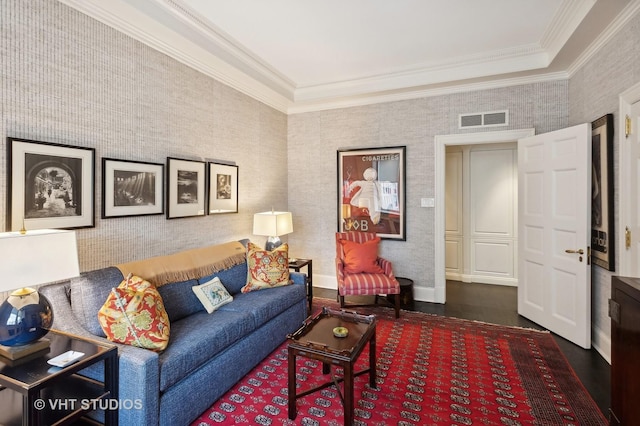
364 283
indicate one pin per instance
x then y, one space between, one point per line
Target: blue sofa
207 353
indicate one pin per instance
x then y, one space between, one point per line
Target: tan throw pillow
134 315
266 269
212 294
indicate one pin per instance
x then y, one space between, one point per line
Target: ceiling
304 55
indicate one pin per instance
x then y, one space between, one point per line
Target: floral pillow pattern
134 314
266 269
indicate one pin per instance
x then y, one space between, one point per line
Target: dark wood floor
498 305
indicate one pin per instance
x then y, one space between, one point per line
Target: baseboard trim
482 279
601 342
420 294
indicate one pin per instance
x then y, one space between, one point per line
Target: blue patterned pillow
212 294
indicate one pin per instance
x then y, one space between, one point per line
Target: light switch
427 202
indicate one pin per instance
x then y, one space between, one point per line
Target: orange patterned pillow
359 258
134 315
266 269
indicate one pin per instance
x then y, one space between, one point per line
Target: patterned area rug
432 370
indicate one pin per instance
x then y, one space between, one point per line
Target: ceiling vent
483 119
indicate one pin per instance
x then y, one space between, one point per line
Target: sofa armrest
138 368
298 277
386 266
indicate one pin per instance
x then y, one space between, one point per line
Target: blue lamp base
25 317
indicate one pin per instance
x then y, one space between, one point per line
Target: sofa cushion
198 338
266 304
179 299
266 269
88 293
233 279
212 294
134 314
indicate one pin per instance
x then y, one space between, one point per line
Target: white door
554 204
631 233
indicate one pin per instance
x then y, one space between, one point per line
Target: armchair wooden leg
341 301
397 307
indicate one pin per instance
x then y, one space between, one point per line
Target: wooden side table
296 265
315 340
52 395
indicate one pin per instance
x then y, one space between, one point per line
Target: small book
24 359
16 352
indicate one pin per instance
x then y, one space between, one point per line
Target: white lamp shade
37 257
272 224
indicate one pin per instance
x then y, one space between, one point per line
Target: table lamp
272 225
28 259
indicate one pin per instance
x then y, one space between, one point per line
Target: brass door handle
579 251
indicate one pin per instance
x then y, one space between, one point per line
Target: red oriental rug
432 370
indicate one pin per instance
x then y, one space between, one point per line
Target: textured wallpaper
315 137
66 78
593 92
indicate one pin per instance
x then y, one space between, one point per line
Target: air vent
483 119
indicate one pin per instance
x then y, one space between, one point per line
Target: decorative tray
319 331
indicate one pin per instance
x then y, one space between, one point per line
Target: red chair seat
364 284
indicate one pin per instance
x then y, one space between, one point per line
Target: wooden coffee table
315 340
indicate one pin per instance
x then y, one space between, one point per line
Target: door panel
632 255
554 193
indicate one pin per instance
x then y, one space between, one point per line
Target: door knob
579 251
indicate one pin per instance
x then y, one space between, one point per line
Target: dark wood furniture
406 293
36 393
296 265
315 340
624 310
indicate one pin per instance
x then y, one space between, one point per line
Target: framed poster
131 188
186 181
371 191
602 226
50 186
223 188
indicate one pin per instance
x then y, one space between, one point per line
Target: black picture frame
371 191
602 202
131 188
186 188
223 188
50 185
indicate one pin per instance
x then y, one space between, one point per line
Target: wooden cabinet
624 310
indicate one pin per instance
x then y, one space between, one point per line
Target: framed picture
371 191
223 188
131 188
186 181
602 216
49 185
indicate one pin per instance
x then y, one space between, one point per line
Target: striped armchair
364 283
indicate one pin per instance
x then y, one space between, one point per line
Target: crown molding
628 13
417 93
475 66
205 48
565 22
123 17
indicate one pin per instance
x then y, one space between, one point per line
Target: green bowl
340 331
